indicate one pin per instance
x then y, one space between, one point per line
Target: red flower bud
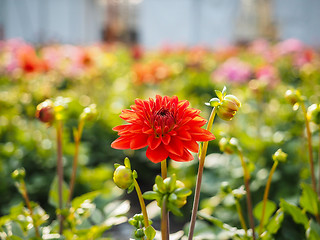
45 111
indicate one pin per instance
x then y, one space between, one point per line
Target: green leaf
217 222
313 231
174 209
219 94
116 165
151 195
309 199
116 208
150 232
127 163
54 195
76 202
183 192
275 222
224 91
269 210
172 183
296 213
161 186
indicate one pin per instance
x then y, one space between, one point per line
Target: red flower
166 125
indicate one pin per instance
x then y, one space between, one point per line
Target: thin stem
164 210
142 204
202 157
164 217
59 171
26 198
242 221
164 169
319 165
77 139
266 194
313 178
247 185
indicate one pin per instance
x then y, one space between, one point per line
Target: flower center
163 121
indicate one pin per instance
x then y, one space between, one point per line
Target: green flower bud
314 113
229 146
122 177
228 107
89 113
45 111
239 192
293 97
225 188
139 233
279 155
18 174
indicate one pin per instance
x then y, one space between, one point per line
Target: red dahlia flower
166 125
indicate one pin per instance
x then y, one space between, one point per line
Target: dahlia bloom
166 125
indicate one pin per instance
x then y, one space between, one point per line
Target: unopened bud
293 96
123 177
229 146
314 113
225 188
45 111
89 113
228 107
18 174
279 155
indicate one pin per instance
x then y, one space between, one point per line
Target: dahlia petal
121 143
192 145
153 142
158 154
166 139
139 141
175 146
185 157
184 135
202 135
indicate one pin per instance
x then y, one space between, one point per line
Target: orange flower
166 125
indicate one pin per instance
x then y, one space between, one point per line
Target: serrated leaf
150 232
275 222
269 210
309 199
296 213
313 231
54 195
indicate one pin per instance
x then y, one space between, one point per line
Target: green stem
59 171
164 218
247 186
266 194
313 178
319 164
77 139
142 204
242 221
202 157
164 210
26 198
